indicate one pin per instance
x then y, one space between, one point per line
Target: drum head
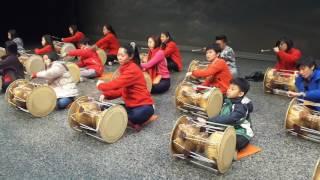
34 64
66 47
226 149
2 52
74 71
113 123
73 108
266 78
36 104
14 84
215 101
316 173
102 55
192 65
148 81
115 74
174 134
0 81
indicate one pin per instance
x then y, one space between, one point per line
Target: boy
236 111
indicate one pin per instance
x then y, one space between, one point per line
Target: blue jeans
140 114
161 87
64 102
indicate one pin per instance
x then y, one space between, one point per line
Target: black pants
242 142
172 66
140 114
161 87
111 58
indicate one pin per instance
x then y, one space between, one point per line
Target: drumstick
198 50
309 103
144 48
265 50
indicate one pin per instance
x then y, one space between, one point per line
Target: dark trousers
140 114
111 58
242 142
161 87
172 66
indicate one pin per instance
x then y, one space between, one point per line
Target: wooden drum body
209 145
303 121
316 173
38 100
196 65
104 121
198 100
279 81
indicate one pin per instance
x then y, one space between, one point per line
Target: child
217 74
236 111
47 44
76 35
10 67
109 43
308 81
171 52
89 62
131 86
13 36
60 79
286 54
156 66
227 54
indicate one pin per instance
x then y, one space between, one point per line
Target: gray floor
47 148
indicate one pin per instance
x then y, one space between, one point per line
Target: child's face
163 38
151 43
234 92
43 41
105 30
211 55
306 71
71 31
123 56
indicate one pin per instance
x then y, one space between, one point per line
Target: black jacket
11 66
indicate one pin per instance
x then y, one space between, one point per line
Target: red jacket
130 85
109 43
76 38
288 60
89 59
44 50
217 75
171 51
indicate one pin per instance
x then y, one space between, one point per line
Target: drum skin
282 78
316 173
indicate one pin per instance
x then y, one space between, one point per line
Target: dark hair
74 28
306 61
132 50
13 33
242 83
156 40
166 33
222 37
214 47
84 41
48 40
11 47
289 42
110 28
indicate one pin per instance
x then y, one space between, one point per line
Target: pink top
160 61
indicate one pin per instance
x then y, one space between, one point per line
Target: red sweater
130 85
44 50
217 75
76 38
88 59
171 51
288 60
109 43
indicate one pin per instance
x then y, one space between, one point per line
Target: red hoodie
109 43
130 85
171 51
217 75
89 59
288 60
44 50
76 38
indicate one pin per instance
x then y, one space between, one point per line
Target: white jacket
60 80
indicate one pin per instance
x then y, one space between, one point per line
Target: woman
217 73
131 86
13 36
286 54
47 44
157 63
109 43
308 81
10 67
76 35
89 62
61 81
171 52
